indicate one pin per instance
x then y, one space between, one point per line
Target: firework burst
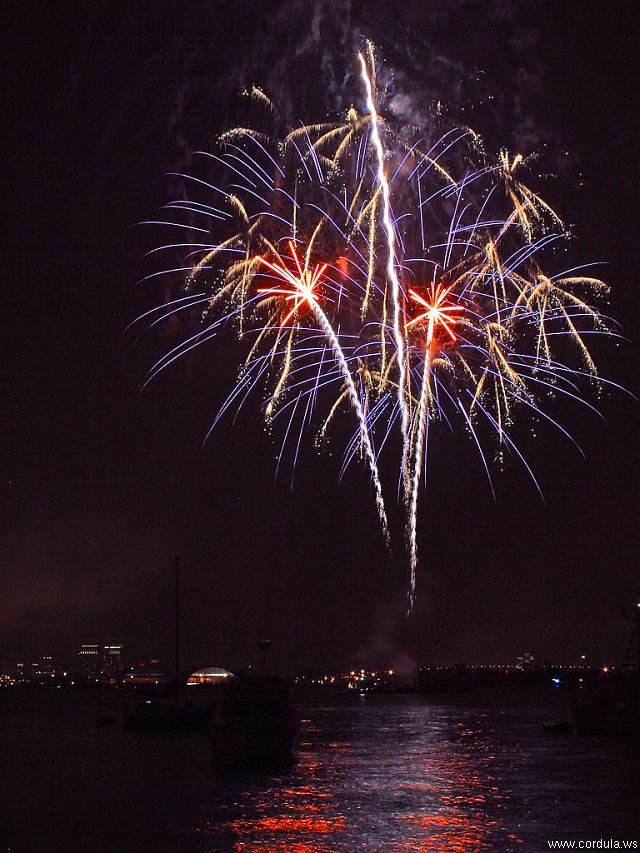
391 273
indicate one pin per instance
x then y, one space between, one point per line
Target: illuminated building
209 675
147 675
89 660
111 660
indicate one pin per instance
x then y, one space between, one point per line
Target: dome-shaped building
209 675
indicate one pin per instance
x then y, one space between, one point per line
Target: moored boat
255 721
610 709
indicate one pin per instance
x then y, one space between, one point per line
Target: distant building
147 675
111 660
43 670
209 675
89 660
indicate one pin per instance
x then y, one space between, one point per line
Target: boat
611 706
254 722
168 712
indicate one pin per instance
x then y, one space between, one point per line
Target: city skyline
71 661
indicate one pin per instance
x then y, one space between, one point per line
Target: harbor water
386 774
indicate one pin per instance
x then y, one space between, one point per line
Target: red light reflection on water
280 829
285 823
455 834
438 791
281 847
457 792
302 812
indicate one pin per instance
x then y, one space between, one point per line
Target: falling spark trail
357 405
420 449
304 282
390 232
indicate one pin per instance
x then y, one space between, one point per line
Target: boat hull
255 722
609 709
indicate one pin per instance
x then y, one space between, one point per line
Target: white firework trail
396 290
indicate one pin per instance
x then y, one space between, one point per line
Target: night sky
102 484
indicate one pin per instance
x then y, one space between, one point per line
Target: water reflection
381 778
389 776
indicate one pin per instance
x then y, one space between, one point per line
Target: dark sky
102 485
